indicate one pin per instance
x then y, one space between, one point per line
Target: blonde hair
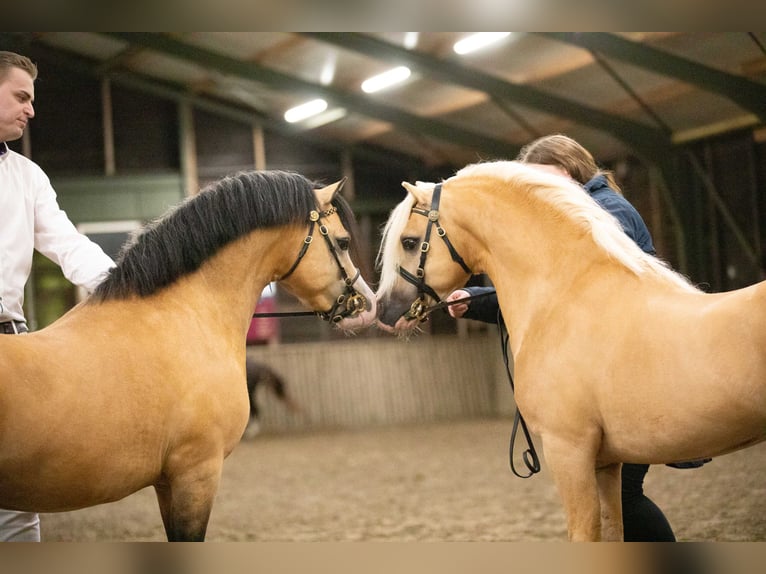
10 60
566 153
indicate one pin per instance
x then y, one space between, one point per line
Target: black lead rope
440 305
531 460
443 304
288 314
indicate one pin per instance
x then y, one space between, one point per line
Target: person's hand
459 309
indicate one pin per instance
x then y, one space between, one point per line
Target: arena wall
360 383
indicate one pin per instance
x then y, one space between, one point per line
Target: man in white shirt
31 219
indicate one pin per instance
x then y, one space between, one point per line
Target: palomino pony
617 358
144 382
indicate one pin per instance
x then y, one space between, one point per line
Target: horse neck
520 245
507 234
228 285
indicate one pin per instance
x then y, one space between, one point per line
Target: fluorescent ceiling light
331 115
299 113
328 72
411 40
477 41
386 79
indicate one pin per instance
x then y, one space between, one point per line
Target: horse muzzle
396 314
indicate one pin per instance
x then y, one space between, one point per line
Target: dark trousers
642 520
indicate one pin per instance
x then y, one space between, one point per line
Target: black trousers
642 519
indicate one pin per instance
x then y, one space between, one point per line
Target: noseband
419 309
350 303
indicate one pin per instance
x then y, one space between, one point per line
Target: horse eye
409 243
344 243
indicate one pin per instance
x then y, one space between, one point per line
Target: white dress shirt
30 218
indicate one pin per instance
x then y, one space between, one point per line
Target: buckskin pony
143 383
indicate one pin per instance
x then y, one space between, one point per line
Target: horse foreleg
610 496
574 474
186 501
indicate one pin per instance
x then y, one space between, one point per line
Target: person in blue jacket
642 518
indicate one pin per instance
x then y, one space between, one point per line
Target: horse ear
326 194
421 195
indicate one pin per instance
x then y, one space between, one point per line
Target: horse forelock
387 259
569 200
179 242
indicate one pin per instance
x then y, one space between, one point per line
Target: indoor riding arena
389 432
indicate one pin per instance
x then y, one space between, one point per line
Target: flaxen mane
180 241
568 199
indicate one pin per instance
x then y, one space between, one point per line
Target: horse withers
143 383
617 358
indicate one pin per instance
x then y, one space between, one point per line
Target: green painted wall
140 197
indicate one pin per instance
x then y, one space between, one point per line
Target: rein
349 303
444 304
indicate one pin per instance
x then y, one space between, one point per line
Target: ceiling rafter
174 91
372 116
746 93
641 137
359 104
607 67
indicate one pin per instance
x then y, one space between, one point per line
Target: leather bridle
419 309
350 303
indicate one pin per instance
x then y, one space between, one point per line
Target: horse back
743 311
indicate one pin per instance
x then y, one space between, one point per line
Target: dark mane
180 241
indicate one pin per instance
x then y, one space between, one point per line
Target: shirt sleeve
82 261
